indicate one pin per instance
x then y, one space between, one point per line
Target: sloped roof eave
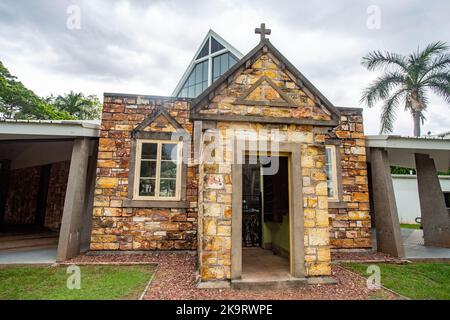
197 101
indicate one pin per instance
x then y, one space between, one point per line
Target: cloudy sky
145 46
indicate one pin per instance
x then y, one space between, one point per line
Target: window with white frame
331 170
212 61
158 170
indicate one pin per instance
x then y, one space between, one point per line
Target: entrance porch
47 175
269 261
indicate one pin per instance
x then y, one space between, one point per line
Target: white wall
407 196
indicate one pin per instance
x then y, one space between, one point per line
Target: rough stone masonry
256 97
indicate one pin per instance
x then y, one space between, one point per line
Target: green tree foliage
19 102
78 105
406 81
401 170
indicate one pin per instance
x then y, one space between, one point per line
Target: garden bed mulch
364 256
175 279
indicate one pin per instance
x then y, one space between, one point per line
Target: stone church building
195 170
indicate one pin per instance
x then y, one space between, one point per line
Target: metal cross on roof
262 31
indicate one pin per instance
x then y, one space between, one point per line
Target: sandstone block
107 182
319 269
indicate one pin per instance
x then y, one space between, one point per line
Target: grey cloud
324 39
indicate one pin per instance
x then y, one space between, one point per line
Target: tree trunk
416 117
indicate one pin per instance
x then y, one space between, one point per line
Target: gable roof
264 46
193 62
147 121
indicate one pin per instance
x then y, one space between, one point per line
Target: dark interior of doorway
31 204
265 198
265 217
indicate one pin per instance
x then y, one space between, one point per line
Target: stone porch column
435 216
389 239
74 203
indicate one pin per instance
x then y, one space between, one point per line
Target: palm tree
407 80
78 105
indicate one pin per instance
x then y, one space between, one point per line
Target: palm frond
440 63
381 87
378 59
441 88
388 113
432 49
441 76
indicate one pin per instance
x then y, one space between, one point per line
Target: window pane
169 151
198 73
191 79
215 45
216 67
205 50
231 60
205 71
198 88
148 169
191 93
167 188
168 169
330 189
147 187
149 150
223 63
329 172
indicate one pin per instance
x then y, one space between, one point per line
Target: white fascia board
191 66
398 142
48 129
413 176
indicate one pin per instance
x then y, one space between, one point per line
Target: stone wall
293 102
22 195
120 226
59 174
216 199
215 205
350 224
117 226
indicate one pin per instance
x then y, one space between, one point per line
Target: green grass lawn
97 282
415 280
409 226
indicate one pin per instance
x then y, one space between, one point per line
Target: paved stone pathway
414 248
29 256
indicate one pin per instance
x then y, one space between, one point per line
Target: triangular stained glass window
205 50
215 45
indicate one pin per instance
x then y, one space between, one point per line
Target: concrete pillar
389 239
74 203
435 216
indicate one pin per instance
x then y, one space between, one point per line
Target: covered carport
427 155
47 171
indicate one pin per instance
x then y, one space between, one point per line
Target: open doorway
265 219
31 206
